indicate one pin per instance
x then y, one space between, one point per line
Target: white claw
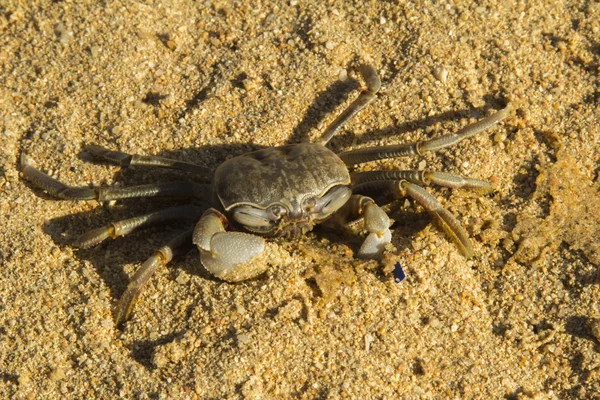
234 256
231 256
374 244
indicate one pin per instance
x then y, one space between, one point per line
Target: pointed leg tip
24 160
454 230
93 237
119 321
122 311
371 77
466 251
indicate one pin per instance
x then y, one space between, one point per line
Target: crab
274 192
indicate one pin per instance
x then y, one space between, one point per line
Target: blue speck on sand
399 274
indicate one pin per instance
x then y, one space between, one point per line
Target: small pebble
499 137
182 278
95 51
64 36
440 73
549 348
206 330
243 338
171 44
24 379
57 375
368 340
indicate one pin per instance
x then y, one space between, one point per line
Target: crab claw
377 223
374 245
231 256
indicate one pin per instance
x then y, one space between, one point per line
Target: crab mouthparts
295 229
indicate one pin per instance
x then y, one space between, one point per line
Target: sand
205 81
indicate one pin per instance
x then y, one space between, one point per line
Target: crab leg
365 98
66 192
127 160
424 178
363 210
417 148
441 216
231 256
162 256
126 226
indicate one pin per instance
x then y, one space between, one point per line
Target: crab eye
276 212
252 217
332 200
310 204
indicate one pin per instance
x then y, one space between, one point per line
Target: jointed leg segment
124 227
417 148
128 160
366 97
441 216
422 178
162 256
66 192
